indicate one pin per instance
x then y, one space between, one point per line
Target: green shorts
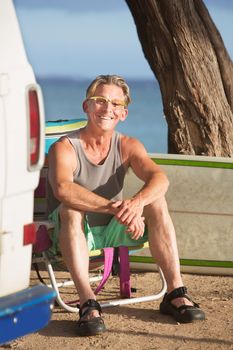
112 235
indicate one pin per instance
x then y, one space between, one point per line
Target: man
86 173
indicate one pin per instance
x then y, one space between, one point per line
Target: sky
85 38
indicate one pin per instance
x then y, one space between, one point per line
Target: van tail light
34 114
35 127
29 234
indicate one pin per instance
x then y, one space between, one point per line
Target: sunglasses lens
100 100
117 103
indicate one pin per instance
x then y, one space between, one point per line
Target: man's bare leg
74 249
75 253
163 246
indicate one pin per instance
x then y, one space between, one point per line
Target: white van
21 158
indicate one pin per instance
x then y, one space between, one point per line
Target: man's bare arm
155 182
62 164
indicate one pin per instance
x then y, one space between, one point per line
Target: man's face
106 108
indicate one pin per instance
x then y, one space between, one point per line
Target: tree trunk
187 55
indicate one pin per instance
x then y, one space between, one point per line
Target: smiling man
86 173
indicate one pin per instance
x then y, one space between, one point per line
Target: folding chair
43 243
108 254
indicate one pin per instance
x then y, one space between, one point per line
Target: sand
140 326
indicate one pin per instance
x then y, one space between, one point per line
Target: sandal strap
89 305
187 307
177 293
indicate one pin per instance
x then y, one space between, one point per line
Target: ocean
63 100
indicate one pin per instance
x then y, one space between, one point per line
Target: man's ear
124 114
85 106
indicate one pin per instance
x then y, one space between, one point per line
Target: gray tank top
104 179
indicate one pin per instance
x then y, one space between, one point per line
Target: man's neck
96 145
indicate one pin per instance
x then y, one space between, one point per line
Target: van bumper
25 312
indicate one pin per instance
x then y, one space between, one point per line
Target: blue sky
85 38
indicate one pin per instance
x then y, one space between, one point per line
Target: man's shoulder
61 146
131 147
129 141
62 153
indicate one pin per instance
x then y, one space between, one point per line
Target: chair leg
156 296
55 286
125 287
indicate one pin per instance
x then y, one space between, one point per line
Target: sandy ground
140 326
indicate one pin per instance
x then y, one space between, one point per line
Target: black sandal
184 313
93 326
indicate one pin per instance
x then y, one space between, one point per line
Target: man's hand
129 213
136 228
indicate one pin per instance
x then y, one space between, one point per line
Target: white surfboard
200 201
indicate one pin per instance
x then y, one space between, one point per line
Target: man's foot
182 312
89 324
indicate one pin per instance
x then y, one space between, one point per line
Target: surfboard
54 129
200 201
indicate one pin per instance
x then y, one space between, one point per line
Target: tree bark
187 55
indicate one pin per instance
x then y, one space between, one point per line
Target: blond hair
109 80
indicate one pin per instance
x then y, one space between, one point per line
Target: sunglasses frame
119 103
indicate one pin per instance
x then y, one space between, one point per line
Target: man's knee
70 217
158 208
